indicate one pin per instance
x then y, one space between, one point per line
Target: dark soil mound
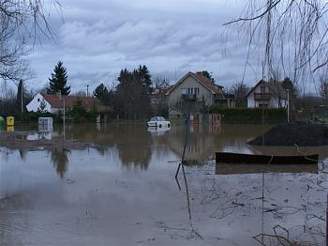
301 134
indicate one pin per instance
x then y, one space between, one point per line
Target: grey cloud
96 40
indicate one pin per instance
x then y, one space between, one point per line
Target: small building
266 94
55 103
194 86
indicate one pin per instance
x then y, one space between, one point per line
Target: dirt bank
301 134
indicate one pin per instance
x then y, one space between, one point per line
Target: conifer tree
58 81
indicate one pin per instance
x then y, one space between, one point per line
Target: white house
267 95
40 103
55 103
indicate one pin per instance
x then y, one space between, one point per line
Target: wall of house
35 104
272 103
190 82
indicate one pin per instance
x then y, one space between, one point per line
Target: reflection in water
134 147
22 154
132 141
227 209
59 159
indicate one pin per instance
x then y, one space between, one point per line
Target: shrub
251 115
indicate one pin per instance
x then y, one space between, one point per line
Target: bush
80 114
251 115
32 117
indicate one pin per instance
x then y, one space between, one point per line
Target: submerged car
159 121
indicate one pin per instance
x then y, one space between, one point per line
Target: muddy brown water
123 191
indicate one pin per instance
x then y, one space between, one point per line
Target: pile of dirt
301 134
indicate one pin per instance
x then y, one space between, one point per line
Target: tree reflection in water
134 147
60 161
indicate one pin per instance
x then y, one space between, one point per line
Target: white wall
272 103
34 105
190 82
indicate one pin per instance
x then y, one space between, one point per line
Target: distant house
55 103
230 100
266 94
197 87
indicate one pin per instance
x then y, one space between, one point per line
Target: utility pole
87 90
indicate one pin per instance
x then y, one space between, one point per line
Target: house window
184 91
196 90
263 105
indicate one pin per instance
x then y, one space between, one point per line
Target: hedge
251 115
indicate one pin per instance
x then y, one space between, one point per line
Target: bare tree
239 90
291 33
20 21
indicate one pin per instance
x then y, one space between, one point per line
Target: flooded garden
115 185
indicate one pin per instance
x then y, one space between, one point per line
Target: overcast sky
95 39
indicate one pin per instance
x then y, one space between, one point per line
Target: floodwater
123 191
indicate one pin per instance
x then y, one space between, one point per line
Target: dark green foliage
132 97
251 115
79 114
102 94
58 81
208 75
21 97
145 77
8 106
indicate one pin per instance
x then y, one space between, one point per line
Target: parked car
159 121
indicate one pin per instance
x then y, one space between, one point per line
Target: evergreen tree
58 81
133 93
145 78
21 97
208 75
102 93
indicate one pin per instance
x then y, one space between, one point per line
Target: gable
35 103
254 87
199 79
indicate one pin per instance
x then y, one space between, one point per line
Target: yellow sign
10 121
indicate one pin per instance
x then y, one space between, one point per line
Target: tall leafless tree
291 33
240 90
21 23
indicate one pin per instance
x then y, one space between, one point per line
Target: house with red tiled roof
55 103
197 87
